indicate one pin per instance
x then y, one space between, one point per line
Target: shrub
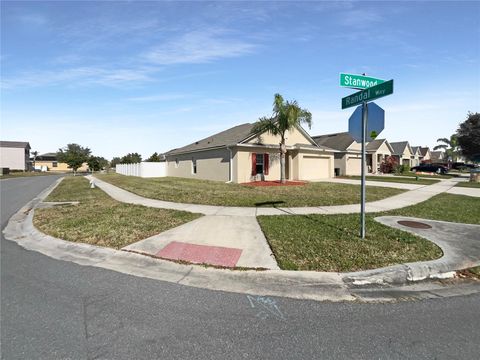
388 165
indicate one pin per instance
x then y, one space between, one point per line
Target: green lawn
445 207
28 174
331 243
99 219
219 193
411 180
469 184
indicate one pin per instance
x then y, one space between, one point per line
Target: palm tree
450 146
286 116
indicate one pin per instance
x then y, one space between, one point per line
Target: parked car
430 168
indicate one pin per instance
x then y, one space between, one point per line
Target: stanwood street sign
358 81
369 94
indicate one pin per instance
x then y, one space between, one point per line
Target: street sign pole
362 195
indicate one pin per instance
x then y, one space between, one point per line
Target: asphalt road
52 309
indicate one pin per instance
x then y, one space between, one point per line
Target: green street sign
358 81
369 94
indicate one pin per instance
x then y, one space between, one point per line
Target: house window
176 163
194 166
259 167
54 164
260 164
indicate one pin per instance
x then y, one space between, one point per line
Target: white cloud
158 97
198 46
79 76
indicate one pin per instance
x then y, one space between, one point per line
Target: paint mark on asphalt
266 307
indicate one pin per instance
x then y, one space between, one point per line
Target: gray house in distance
15 155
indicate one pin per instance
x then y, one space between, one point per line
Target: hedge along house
236 155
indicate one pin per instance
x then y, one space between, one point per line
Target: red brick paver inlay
201 254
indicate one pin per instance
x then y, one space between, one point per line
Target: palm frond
440 147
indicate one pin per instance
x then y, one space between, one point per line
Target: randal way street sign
375 123
369 94
358 81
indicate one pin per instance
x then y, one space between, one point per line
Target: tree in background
468 135
73 155
450 146
286 116
115 161
97 163
155 157
35 154
131 158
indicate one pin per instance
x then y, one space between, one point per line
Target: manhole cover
414 224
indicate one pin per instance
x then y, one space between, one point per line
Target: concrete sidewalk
408 198
220 240
460 244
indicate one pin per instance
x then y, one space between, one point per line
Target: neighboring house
436 157
424 155
417 155
348 158
378 151
49 162
235 155
15 155
403 153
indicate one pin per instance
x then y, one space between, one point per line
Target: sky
132 76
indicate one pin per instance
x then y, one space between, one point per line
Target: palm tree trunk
283 151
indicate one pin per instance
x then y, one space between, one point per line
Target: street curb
312 285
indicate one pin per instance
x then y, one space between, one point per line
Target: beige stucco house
49 162
15 155
425 155
403 152
416 157
348 158
236 155
378 151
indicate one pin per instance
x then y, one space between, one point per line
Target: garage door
313 168
354 166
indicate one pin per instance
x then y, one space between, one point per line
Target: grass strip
218 193
475 185
100 220
444 207
410 180
332 243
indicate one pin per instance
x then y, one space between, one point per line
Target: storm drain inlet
414 224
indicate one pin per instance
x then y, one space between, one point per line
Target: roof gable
399 148
296 137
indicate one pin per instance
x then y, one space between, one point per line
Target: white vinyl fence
143 169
